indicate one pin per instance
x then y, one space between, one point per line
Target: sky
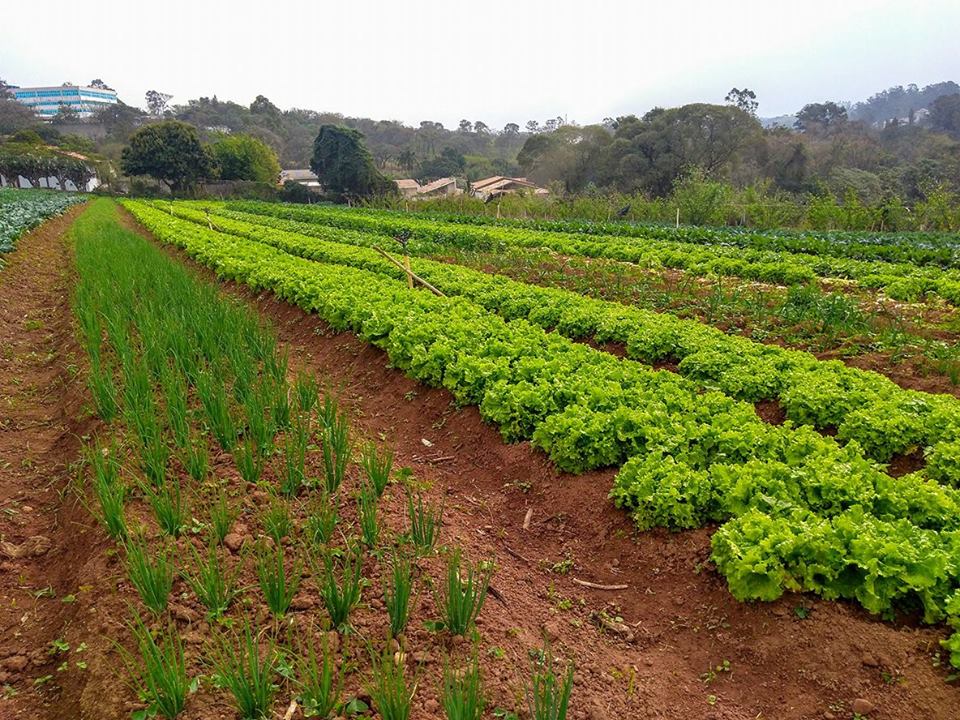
496 61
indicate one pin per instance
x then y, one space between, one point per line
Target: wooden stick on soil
409 272
290 710
595 586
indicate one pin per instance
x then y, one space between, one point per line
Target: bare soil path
46 536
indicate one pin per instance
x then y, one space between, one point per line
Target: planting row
173 364
863 406
588 409
21 210
916 248
901 281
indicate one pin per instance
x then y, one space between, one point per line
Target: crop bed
800 510
310 490
21 210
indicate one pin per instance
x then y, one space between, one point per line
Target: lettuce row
901 281
862 405
589 409
916 248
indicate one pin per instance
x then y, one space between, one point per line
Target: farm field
254 471
21 210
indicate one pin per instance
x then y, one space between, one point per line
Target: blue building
46 101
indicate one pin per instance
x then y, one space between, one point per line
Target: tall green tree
168 151
820 117
242 157
945 114
344 166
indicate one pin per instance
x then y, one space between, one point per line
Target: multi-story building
46 101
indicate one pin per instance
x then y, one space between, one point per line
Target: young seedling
396 593
548 694
196 458
249 460
222 517
168 506
340 587
277 585
377 466
213 398
247 673
463 692
175 396
367 515
461 599
307 392
425 522
292 473
160 675
276 519
103 389
388 689
210 582
110 491
334 444
322 519
151 576
319 680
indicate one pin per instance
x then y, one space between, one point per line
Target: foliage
388 688
242 157
462 697
247 673
160 675
343 164
150 572
170 152
340 583
396 593
548 695
461 597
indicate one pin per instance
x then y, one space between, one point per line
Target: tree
407 159
242 157
100 84
820 117
266 111
945 114
65 114
5 93
481 128
157 102
465 126
448 163
15 116
511 129
744 99
170 152
343 164
532 126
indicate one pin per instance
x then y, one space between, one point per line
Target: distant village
487 189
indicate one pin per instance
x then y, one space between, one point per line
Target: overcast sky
494 61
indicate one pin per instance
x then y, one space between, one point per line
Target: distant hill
898 102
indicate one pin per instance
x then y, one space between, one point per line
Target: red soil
677 622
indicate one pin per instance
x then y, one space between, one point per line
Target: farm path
46 536
672 643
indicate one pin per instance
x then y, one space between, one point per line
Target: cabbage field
21 210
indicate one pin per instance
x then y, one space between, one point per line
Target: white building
46 101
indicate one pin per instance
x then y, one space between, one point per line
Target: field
250 468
